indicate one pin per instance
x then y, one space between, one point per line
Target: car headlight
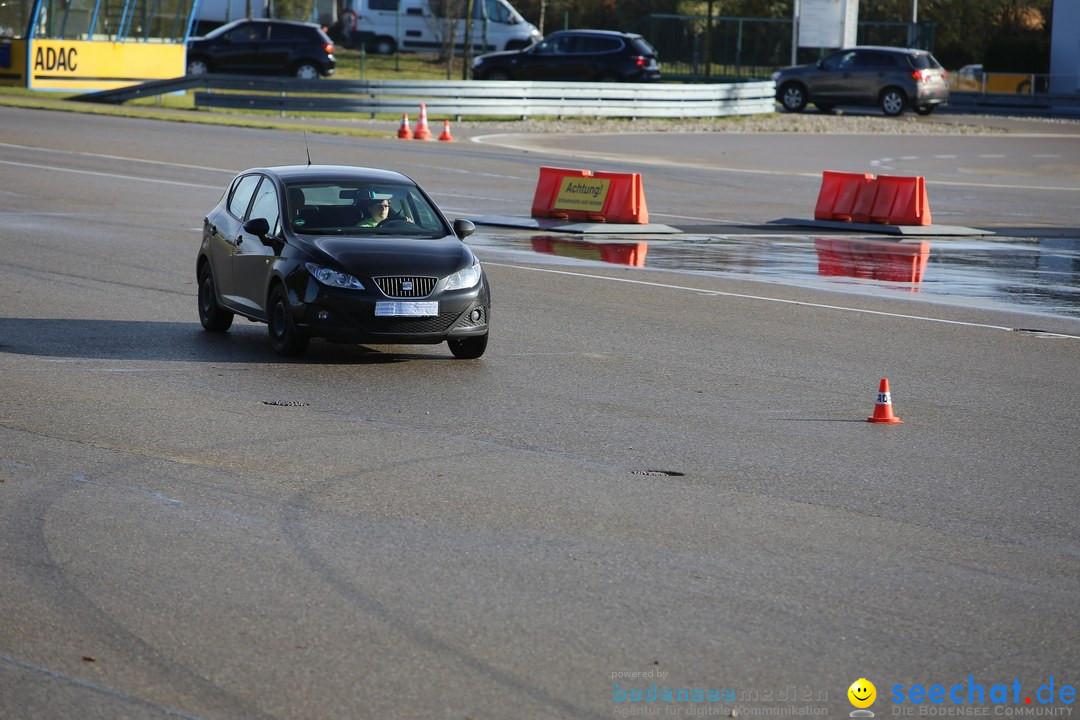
463 279
333 278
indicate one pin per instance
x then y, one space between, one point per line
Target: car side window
252 32
497 12
241 195
840 61
266 206
874 61
598 45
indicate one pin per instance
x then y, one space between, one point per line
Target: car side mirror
258 227
463 228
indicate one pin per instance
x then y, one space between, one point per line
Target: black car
589 55
347 254
263 47
887 77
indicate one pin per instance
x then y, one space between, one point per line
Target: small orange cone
423 132
404 132
883 406
446 136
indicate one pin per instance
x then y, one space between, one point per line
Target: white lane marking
109 175
721 293
992 155
945 157
117 157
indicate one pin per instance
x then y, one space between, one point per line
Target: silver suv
890 78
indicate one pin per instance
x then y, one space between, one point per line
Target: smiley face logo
862 693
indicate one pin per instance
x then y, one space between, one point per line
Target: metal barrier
465 98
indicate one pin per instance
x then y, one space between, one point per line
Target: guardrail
463 98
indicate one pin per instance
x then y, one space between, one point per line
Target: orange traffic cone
404 132
446 136
883 406
423 132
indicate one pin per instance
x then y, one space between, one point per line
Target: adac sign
52 59
85 65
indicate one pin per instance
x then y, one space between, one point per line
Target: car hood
500 56
382 255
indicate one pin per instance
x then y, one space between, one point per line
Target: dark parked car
590 55
263 47
343 253
887 77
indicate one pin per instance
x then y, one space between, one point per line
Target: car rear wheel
793 97
197 66
307 71
468 348
383 46
925 109
893 101
284 337
212 316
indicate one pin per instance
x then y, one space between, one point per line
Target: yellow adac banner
86 65
578 193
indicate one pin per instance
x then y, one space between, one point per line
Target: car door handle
239 239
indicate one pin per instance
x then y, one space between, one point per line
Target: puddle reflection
1031 274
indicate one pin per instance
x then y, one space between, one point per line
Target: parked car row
894 79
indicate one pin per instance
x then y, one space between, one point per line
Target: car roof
887 48
275 21
291 173
607 33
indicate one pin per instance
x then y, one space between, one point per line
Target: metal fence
694 50
459 99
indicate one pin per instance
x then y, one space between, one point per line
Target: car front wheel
197 66
284 337
893 102
468 348
212 316
793 97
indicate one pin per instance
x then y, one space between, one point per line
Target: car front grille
406 286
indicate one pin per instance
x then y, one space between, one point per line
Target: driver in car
378 211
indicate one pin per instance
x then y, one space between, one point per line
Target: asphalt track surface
651 476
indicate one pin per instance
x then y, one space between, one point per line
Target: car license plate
406 309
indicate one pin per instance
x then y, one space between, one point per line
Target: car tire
197 66
307 71
284 337
468 348
793 97
893 101
213 317
383 46
498 74
925 109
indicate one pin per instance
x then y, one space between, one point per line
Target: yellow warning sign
578 193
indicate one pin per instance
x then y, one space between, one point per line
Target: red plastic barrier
872 259
625 253
887 199
595 197
894 201
838 194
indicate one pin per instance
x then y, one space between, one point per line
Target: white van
384 26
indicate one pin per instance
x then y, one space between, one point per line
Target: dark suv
890 78
263 47
596 55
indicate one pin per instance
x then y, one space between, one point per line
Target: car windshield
358 208
925 62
